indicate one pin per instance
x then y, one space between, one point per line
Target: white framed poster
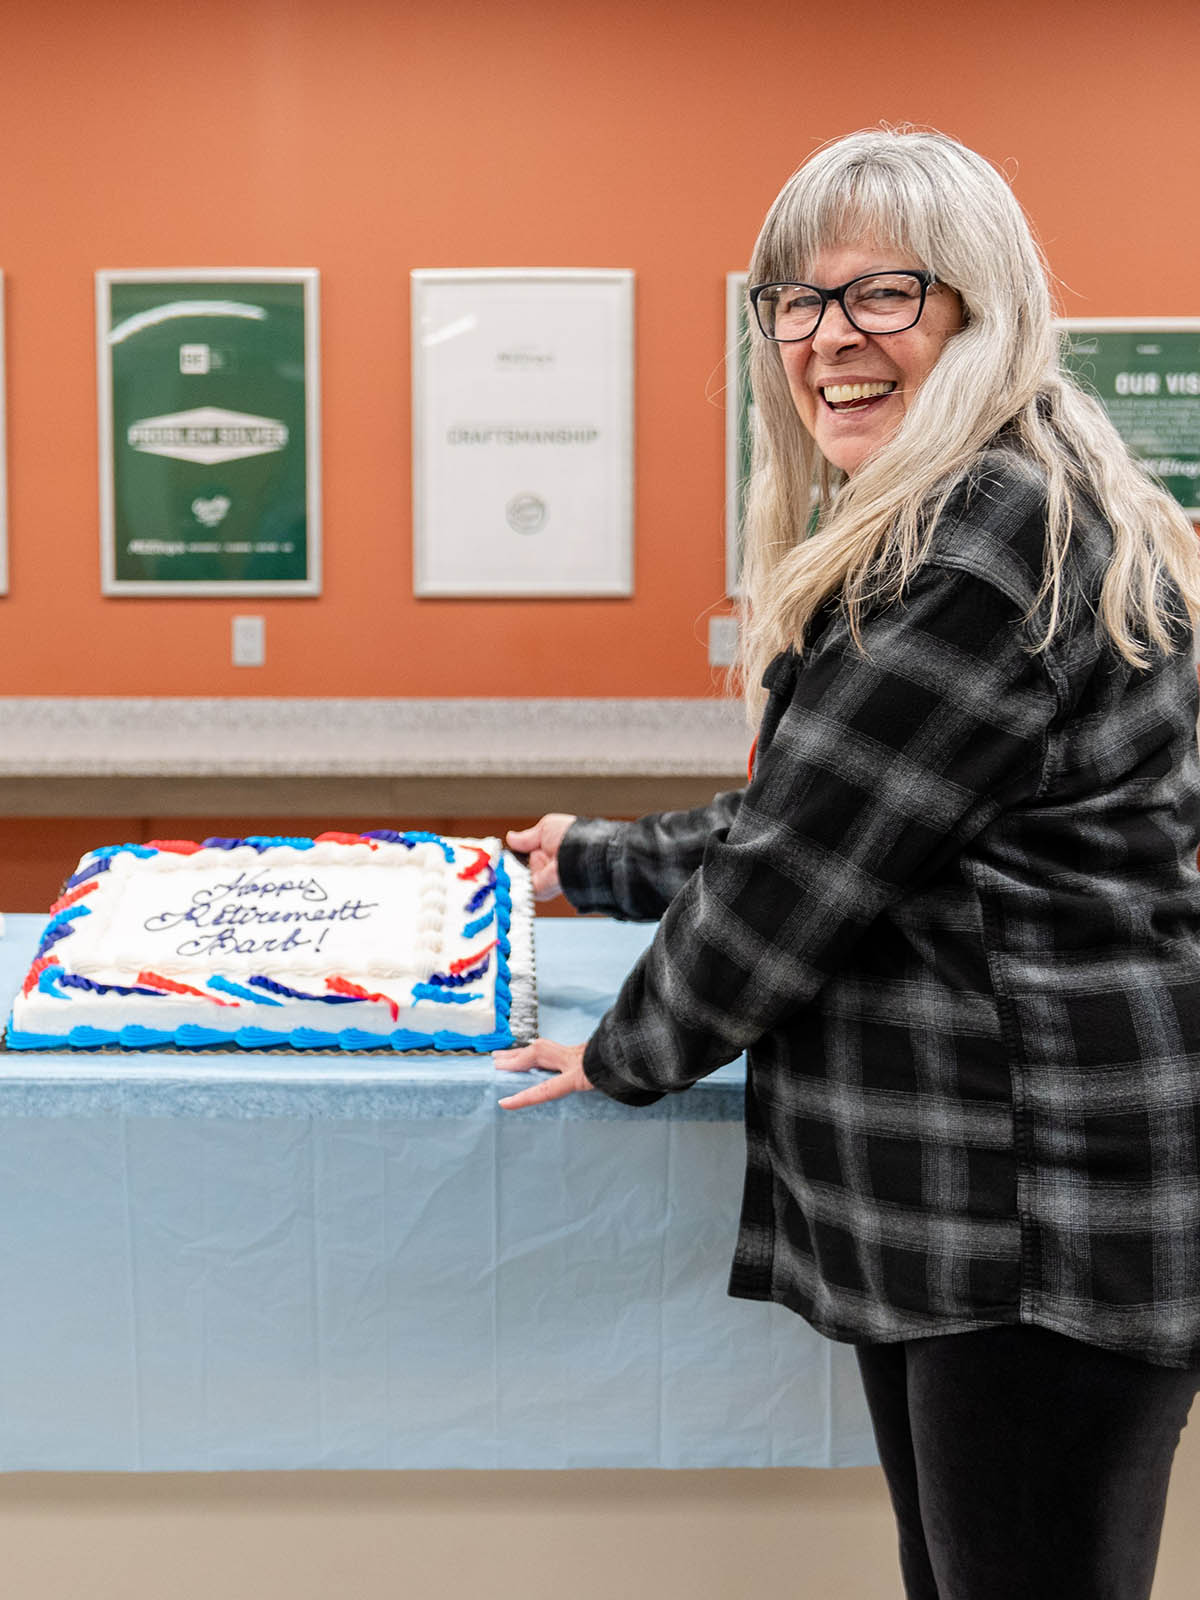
209 405
3 449
739 420
1145 371
522 432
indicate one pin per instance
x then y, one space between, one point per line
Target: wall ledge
51 736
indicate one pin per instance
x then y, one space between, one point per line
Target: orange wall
372 136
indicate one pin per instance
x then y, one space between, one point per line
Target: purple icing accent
220 844
411 839
76 980
481 894
94 871
455 980
298 994
54 931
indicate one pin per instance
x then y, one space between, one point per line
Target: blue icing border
194 1036
503 951
191 1036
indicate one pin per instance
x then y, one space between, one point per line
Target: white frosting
383 918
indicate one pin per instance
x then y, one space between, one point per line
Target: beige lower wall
790 1534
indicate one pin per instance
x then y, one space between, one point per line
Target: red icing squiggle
482 858
344 838
36 970
344 986
464 962
151 980
62 903
175 847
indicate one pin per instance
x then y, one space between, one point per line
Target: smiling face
851 389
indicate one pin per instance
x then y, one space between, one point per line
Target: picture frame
522 432
209 419
1145 371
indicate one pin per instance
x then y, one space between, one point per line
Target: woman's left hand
564 1059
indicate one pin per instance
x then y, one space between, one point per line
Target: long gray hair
939 203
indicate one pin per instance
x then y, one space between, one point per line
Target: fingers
565 1060
543 875
541 1053
540 842
549 1089
543 862
522 1059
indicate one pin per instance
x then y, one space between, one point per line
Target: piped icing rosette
382 940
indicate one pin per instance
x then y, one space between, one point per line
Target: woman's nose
836 331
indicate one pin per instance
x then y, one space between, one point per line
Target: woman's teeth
840 394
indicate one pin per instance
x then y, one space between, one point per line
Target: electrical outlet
249 641
722 641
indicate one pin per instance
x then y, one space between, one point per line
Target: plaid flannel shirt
953 921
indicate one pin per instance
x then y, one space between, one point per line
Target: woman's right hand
540 843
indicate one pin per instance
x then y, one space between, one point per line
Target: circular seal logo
526 513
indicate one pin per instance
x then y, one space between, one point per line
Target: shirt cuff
602 1078
584 864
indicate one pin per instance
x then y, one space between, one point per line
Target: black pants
1023 1465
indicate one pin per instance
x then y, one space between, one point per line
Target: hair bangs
840 202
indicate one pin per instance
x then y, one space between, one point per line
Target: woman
953 920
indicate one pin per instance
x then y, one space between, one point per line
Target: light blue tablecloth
311 1262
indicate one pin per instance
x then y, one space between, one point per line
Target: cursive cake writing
255 901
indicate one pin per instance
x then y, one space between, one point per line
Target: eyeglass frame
923 276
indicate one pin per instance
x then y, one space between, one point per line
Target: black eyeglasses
878 302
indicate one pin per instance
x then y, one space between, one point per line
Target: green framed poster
1146 373
209 407
739 422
